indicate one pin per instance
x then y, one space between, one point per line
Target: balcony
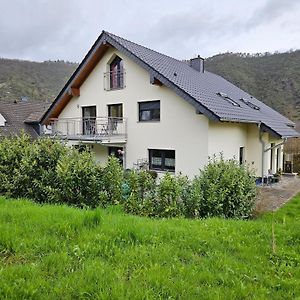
114 80
102 130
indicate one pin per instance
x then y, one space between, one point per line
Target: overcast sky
66 29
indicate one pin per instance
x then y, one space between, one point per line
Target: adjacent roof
199 89
20 116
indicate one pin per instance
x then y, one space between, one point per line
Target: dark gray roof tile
203 87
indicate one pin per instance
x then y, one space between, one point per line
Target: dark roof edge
263 127
268 129
106 37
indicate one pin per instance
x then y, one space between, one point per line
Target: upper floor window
149 111
114 79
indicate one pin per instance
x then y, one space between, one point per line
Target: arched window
116 73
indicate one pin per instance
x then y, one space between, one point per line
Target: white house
148 107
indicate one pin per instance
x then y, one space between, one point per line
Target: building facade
122 100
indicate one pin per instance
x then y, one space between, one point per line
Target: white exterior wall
179 128
192 136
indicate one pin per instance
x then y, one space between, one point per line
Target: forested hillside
37 81
272 78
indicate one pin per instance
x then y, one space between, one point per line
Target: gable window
162 160
116 74
149 111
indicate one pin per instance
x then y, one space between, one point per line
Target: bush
48 171
78 179
141 185
169 193
226 189
112 177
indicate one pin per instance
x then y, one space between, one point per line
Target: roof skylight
250 104
228 99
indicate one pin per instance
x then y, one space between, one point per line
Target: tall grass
59 252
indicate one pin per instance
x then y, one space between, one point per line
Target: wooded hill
272 78
35 80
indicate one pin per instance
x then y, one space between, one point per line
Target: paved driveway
273 196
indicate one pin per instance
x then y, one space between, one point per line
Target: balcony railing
114 80
102 129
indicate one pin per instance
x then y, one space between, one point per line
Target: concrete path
273 196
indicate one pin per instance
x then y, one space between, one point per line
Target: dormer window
115 76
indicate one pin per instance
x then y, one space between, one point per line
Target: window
149 111
115 110
116 73
117 152
242 155
227 98
89 120
82 148
162 160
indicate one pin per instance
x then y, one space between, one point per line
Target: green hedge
49 171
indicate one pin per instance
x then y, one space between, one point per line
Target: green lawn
58 252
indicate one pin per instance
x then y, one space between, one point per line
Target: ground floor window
162 160
82 148
116 152
242 155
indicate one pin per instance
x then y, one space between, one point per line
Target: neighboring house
18 116
148 107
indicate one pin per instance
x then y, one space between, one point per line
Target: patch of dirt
271 197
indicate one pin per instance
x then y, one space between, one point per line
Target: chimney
197 64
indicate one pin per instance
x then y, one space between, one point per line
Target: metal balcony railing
105 129
114 80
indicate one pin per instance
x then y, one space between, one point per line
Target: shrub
225 189
170 203
142 188
112 177
11 154
77 177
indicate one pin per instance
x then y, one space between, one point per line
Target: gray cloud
65 29
272 10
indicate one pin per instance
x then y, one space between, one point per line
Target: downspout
262 153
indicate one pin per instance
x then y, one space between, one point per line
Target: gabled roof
199 89
20 115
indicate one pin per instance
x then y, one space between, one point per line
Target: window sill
150 121
163 171
115 89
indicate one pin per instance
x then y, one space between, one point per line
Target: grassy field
58 252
